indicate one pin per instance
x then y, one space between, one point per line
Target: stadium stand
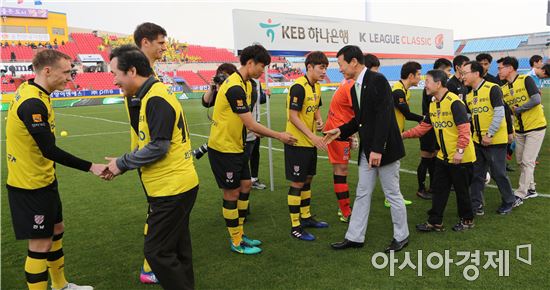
95 81
22 53
70 48
211 54
88 43
191 78
206 75
457 45
494 44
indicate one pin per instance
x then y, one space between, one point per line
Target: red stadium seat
191 78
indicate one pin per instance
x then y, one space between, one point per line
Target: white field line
93 118
204 136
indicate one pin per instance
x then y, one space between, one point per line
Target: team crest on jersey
37 118
38 219
346 152
511 91
438 113
296 170
474 100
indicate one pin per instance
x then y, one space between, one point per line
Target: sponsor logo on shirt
37 118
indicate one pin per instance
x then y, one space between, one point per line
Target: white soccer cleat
72 286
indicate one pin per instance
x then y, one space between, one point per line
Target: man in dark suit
380 149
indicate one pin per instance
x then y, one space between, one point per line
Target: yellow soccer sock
56 262
242 205
146 267
294 206
305 196
231 215
36 270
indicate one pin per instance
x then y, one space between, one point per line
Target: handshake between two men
106 171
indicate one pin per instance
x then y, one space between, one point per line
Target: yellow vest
446 131
227 132
398 115
479 104
307 114
133 133
27 167
175 172
530 120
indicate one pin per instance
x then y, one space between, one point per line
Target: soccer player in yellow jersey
32 184
230 120
410 77
150 38
303 120
163 158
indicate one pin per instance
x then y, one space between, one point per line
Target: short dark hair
484 56
459 60
350 52
546 69
371 60
442 63
227 68
410 67
509 61
316 57
255 52
148 30
475 66
438 76
535 58
130 56
47 57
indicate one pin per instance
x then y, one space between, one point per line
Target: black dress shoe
424 194
397 246
346 244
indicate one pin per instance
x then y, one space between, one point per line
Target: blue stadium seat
334 75
494 44
392 73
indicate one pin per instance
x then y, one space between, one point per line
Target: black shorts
229 168
300 162
35 212
428 142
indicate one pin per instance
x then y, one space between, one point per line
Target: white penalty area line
206 137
